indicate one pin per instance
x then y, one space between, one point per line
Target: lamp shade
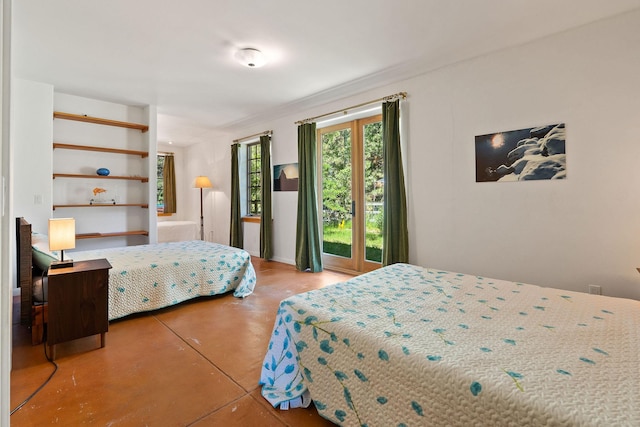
62 233
203 182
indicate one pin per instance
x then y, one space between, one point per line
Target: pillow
39 238
42 256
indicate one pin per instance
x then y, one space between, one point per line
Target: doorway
352 185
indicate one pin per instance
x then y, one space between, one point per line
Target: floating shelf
117 234
105 205
99 121
142 154
72 175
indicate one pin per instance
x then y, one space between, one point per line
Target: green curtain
308 252
169 180
395 235
266 224
235 234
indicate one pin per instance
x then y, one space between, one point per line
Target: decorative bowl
103 172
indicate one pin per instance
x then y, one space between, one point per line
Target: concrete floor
195 364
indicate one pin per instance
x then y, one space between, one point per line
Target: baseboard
284 260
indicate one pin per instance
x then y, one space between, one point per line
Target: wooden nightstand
78 302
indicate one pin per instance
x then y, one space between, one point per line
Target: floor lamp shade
202 182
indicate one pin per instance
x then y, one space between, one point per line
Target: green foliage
337 172
337 191
373 172
160 181
254 178
336 176
337 241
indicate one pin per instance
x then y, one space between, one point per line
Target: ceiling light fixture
251 58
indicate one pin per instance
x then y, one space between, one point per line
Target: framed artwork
521 155
285 177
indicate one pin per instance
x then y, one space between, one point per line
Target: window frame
160 185
253 170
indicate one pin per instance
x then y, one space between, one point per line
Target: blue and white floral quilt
406 345
149 277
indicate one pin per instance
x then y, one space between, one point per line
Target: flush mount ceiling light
251 58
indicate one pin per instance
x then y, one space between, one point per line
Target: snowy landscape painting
519 155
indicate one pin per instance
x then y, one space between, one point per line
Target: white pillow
39 238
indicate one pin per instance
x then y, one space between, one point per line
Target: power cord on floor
55 369
55 365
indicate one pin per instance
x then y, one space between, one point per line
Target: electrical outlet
595 290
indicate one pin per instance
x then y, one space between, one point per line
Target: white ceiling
178 55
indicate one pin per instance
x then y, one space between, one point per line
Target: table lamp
62 235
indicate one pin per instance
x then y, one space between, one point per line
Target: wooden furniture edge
73 175
99 121
104 205
116 234
24 269
61 145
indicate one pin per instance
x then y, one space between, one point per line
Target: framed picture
521 155
285 177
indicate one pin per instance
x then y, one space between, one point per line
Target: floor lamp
202 182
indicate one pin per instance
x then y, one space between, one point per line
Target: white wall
212 159
150 117
567 234
5 171
31 138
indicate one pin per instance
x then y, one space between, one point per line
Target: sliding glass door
351 180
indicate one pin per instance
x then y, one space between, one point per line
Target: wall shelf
60 145
116 234
113 205
74 175
93 154
99 121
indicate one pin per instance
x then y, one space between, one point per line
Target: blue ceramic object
103 172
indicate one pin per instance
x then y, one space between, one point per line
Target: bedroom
565 234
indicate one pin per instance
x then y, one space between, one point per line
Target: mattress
177 231
406 345
149 277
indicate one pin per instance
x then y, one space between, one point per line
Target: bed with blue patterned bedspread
406 345
149 277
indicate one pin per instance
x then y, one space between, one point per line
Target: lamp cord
55 369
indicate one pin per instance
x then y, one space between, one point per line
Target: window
254 203
160 180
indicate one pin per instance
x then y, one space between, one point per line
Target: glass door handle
353 208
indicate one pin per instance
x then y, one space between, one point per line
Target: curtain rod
393 97
166 153
266 132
